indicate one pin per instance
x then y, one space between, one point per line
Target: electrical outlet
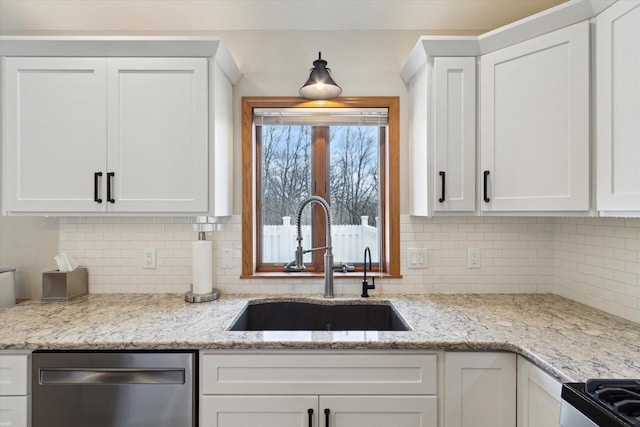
473 258
149 258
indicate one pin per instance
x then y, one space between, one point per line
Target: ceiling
427 16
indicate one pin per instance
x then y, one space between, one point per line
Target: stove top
608 402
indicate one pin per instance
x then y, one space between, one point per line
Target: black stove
602 403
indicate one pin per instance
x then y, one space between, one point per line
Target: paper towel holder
209 296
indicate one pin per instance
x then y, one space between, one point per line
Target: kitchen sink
319 316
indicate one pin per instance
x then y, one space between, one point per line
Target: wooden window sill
317 275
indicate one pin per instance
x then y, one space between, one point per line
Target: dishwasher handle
111 376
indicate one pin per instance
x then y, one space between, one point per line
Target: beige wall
28 244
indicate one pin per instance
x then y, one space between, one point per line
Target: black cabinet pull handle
110 177
326 417
486 194
442 198
96 187
310 412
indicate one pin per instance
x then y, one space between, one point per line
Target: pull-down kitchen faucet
298 263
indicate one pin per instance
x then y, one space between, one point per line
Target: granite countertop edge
556 334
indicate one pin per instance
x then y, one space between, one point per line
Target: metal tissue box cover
65 286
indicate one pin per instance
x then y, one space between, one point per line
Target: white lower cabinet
480 390
15 389
318 389
296 411
538 397
264 411
375 389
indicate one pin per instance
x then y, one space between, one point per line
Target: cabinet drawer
15 411
300 373
15 375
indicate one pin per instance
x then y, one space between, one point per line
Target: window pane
355 197
285 182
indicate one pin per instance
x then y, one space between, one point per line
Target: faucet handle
344 267
366 286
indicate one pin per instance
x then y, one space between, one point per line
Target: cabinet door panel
617 107
454 127
264 411
318 373
379 411
15 374
54 133
535 123
15 411
538 397
480 390
158 136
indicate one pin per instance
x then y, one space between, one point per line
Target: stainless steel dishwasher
114 389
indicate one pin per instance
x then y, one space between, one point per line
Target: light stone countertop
571 341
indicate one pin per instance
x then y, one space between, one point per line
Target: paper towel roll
202 266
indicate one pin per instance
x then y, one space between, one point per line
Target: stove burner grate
620 396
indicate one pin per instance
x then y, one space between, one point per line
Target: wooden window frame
390 182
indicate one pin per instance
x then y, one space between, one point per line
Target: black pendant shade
320 84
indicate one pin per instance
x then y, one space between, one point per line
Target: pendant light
320 84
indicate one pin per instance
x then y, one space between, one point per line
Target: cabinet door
454 134
538 397
617 107
263 411
54 133
378 411
535 124
15 411
480 390
15 374
158 134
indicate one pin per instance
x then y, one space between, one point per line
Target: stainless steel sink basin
319 316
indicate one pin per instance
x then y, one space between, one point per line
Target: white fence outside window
279 242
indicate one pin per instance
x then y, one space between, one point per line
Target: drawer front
308 373
15 411
15 375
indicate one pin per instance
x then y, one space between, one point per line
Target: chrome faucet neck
298 263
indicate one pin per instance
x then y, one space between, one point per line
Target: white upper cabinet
55 136
534 124
617 109
86 131
454 133
532 101
442 98
157 134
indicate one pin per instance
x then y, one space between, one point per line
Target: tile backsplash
596 261
592 260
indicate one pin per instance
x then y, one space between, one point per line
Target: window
342 151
